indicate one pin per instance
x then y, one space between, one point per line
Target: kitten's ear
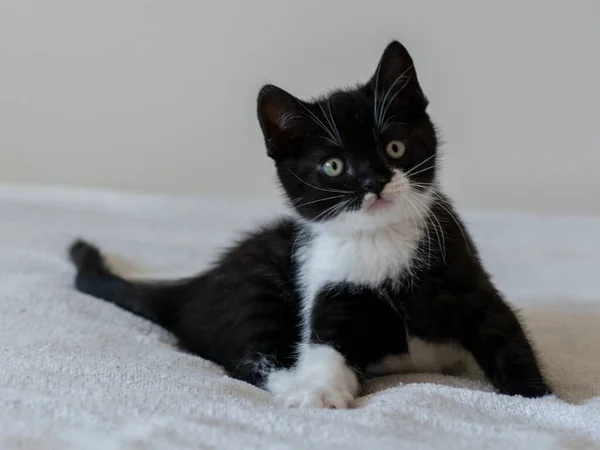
279 117
396 76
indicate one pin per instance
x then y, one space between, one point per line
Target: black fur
244 312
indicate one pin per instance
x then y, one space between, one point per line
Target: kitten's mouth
374 203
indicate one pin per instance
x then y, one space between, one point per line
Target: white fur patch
392 364
422 357
320 379
361 248
365 248
429 357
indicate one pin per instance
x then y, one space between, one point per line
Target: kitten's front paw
524 381
527 389
330 397
322 379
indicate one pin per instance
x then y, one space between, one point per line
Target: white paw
321 379
316 397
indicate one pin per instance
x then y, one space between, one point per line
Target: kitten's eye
333 167
395 149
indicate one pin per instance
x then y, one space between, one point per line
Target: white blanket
76 372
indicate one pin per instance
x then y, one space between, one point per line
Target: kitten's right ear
395 79
279 117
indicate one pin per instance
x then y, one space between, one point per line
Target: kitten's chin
373 204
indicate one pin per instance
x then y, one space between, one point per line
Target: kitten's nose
374 184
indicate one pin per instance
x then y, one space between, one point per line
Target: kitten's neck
340 251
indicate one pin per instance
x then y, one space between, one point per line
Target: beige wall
159 95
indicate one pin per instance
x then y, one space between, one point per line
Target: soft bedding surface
79 373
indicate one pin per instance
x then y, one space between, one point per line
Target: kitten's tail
154 301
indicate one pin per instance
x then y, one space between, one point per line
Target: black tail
153 301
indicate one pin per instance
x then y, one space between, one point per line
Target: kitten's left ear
279 119
396 77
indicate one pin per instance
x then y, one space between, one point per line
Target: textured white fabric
78 373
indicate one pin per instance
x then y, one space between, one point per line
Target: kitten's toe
337 400
316 397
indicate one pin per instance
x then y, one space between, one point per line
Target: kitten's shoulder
282 229
272 241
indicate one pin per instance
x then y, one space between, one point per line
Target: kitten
373 272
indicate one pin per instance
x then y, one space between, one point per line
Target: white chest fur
364 258
361 248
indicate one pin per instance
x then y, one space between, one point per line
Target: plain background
159 95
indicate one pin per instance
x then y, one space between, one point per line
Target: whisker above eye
389 122
384 103
333 124
331 136
325 138
393 97
332 129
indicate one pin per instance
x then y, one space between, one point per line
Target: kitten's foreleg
323 376
485 325
505 355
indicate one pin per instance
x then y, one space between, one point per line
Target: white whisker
420 164
383 102
375 95
425 227
442 204
422 170
329 118
389 122
332 138
331 210
335 191
329 140
330 129
319 200
440 235
452 216
333 124
392 98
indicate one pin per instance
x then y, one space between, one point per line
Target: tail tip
85 256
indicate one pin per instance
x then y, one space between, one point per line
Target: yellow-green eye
333 167
395 149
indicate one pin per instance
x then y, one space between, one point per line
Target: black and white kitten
373 273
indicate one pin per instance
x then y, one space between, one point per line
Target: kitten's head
364 156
